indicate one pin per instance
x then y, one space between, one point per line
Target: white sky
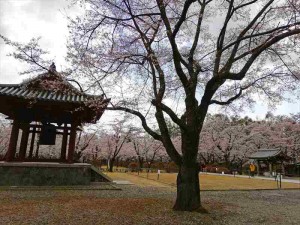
20 20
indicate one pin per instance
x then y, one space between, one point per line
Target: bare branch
229 100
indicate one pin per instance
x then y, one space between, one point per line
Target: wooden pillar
72 143
24 141
257 167
64 144
37 149
32 143
270 168
13 141
37 145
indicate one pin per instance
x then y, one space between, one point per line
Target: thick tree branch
170 112
197 34
182 18
257 51
234 51
177 58
166 138
212 86
286 27
221 38
155 135
230 100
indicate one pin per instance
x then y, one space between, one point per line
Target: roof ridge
54 91
10 85
55 79
271 149
28 80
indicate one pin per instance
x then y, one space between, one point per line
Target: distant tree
83 142
296 117
225 140
117 141
147 150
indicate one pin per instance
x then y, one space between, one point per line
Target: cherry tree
278 132
287 137
226 140
116 141
94 153
161 49
296 117
83 142
146 149
146 54
233 140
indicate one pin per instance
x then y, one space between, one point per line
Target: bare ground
146 205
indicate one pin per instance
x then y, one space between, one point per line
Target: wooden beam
10 155
24 141
57 127
38 132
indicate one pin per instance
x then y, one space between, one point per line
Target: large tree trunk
111 165
141 161
188 189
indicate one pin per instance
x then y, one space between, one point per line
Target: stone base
44 174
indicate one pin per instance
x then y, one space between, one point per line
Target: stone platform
48 174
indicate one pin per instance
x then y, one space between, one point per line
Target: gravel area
147 205
256 207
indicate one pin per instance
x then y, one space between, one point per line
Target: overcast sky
20 20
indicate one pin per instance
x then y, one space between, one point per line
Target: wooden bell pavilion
45 107
272 157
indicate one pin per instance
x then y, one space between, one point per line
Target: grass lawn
207 182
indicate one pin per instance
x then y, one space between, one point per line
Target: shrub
217 169
96 162
133 167
158 165
221 169
171 167
211 168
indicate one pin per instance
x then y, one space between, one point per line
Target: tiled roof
65 103
265 154
43 95
47 87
